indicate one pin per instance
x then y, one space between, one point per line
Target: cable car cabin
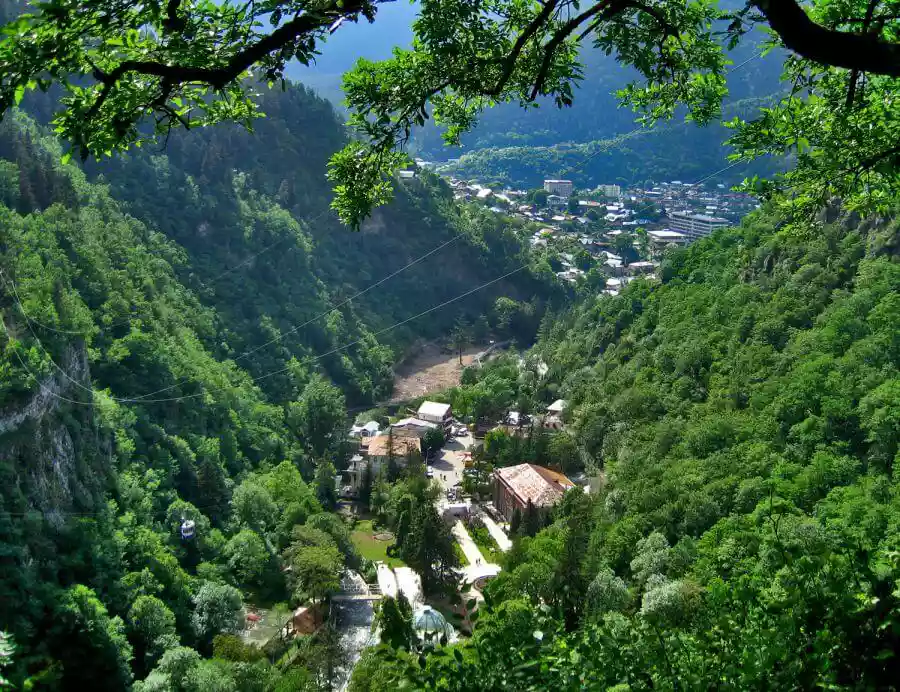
187 529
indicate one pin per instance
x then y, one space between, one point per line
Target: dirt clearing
429 369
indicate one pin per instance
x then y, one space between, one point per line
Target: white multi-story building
610 190
695 225
563 188
664 238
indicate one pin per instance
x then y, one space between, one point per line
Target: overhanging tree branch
218 77
866 53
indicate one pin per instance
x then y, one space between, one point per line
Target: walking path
399 580
470 550
387 580
410 584
496 532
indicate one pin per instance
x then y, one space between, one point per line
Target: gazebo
430 627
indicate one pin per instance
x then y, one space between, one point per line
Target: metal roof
540 485
433 409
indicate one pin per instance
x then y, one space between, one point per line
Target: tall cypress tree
531 523
515 523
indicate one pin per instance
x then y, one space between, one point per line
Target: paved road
448 467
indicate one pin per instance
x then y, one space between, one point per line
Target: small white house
370 429
435 412
557 406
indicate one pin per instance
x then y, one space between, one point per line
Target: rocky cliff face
50 443
50 392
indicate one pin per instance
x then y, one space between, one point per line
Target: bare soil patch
430 369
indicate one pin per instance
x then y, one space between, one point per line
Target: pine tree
395 620
326 488
212 490
569 584
429 548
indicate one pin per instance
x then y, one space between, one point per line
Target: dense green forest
744 418
265 216
187 329
171 352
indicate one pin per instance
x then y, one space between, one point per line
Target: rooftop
666 234
698 217
403 446
557 406
433 409
540 485
413 422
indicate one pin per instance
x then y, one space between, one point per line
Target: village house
434 412
378 452
399 447
517 486
370 429
557 406
664 238
642 267
414 427
553 419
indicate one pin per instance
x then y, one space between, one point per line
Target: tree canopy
187 64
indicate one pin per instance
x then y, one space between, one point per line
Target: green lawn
460 554
371 549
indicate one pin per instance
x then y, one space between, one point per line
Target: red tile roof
536 483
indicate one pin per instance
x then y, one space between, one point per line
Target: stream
354 622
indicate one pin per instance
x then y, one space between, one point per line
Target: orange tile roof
403 446
536 483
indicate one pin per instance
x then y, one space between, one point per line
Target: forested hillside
744 417
674 151
522 146
172 336
257 203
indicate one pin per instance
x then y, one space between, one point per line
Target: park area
372 544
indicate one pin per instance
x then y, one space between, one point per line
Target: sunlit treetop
133 71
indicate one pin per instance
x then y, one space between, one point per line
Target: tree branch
854 75
218 77
827 46
510 62
173 22
609 10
